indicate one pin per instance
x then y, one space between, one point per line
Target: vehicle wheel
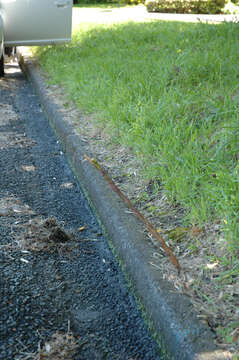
1 66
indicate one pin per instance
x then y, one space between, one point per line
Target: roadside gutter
170 312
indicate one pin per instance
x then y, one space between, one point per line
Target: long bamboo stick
136 212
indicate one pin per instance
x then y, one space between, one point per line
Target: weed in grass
193 249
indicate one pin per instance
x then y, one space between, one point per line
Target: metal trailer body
34 22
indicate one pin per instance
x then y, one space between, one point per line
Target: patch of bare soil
37 234
42 234
213 292
10 206
61 346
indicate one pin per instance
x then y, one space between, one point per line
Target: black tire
2 66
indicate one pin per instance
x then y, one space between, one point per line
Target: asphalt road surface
62 293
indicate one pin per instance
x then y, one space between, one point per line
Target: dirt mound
42 234
59 347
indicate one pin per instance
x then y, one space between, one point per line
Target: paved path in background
139 14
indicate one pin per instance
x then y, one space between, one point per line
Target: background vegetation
175 6
186 6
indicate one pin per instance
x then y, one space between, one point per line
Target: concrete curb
172 314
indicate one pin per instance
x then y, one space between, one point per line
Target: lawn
169 91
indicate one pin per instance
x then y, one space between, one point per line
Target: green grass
170 91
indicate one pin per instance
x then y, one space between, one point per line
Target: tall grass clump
170 91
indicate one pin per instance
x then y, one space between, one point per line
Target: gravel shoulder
63 295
